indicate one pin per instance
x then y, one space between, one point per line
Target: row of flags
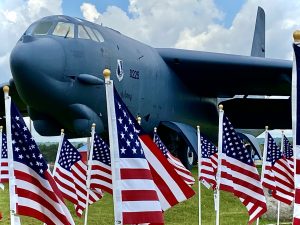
143 176
147 183
238 174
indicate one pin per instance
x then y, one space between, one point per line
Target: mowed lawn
101 213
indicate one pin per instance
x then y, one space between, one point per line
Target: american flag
288 151
101 166
209 163
4 161
296 129
171 189
139 201
278 176
71 177
37 193
184 173
239 174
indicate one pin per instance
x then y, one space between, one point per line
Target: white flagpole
220 147
114 148
1 128
62 135
264 160
199 172
88 180
14 220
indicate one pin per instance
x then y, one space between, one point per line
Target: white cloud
89 12
159 22
15 17
198 25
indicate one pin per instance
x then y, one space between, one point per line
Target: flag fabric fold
239 174
277 176
3 161
170 187
71 177
183 172
209 163
135 196
37 193
101 166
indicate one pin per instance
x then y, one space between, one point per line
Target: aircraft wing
223 75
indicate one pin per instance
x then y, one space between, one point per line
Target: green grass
101 213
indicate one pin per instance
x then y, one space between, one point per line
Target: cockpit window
63 29
42 28
99 36
90 32
82 33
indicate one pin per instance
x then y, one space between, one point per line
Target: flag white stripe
140 206
98 163
137 184
131 163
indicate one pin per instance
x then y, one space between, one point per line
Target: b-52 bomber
57 67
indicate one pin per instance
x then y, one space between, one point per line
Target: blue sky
72 7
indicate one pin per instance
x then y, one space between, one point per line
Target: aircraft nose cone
34 62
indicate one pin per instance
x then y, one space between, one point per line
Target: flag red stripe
297 166
139 195
143 217
297 193
127 173
4 180
100 177
25 211
296 221
282 199
4 164
101 168
207 172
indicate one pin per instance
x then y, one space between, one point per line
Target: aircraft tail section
258 44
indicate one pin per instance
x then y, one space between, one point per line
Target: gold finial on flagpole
198 128
1 128
267 127
6 89
62 131
155 129
93 125
220 107
296 36
139 120
106 74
